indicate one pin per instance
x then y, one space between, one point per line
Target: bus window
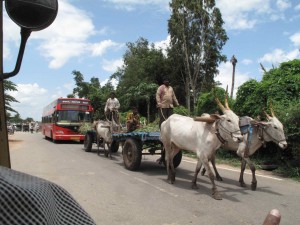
68 116
87 117
81 116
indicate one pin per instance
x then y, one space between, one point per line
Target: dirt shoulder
14 143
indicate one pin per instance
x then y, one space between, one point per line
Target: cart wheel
132 154
114 146
87 144
176 160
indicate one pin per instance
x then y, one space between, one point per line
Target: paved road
113 195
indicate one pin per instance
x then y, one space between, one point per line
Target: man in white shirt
111 107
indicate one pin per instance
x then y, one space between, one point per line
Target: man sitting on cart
111 108
133 120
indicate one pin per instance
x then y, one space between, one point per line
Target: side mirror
30 15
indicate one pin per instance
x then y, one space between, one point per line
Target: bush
289 115
181 110
85 127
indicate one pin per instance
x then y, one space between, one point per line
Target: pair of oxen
204 135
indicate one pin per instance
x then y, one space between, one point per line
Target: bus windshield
73 116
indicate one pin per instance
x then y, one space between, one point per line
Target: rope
161 112
227 131
262 130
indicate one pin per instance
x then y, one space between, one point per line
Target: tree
144 68
197 38
16 118
82 89
9 86
93 91
281 87
142 63
143 92
29 119
206 102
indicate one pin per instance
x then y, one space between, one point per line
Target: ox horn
220 104
271 109
267 115
226 98
226 102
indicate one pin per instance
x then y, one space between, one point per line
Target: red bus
62 118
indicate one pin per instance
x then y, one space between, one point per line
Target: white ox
104 135
181 132
261 132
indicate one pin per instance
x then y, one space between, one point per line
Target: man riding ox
203 138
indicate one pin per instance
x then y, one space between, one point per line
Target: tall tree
144 67
197 38
142 63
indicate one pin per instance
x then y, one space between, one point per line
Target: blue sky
90 36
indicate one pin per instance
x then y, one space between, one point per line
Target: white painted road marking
149 184
237 171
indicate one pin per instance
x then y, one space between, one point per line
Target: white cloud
31 99
69 86
225 77
113 81
241 15
236 14
247 61
278 56
112 65
283 4
99 49
131 5
295 38
11 34
61 52
66 38
164 44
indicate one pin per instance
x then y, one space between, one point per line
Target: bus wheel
53 140
88 141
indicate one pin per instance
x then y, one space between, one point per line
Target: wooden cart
133 146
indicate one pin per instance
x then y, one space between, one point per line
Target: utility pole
233 60
4 147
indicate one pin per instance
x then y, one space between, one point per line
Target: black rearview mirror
32 14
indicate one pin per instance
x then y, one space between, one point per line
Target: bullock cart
134 145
